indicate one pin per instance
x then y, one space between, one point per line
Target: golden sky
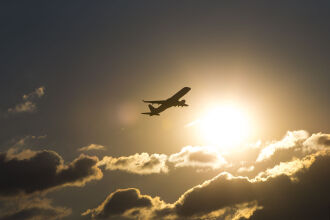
252 144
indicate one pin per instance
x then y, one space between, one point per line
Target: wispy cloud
28 103
291 139
201 157
32 208
92 147
138 163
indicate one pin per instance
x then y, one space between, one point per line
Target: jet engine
182 103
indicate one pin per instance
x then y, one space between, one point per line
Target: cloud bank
295 144
294 188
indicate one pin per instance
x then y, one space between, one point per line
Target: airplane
165 104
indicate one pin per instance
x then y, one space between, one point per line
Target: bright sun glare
224 126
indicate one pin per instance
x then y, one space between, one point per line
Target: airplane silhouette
165 104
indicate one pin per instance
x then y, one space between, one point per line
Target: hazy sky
73 76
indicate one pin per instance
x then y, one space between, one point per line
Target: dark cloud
125 202
33 213
38 171
38 213
304 195
33 209
294 167
220 192
324 139
294 190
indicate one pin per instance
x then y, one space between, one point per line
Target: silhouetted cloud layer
295 144
28 103
39 171
296 187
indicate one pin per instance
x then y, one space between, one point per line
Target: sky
252 144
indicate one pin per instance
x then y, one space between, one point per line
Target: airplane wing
181 93
155 102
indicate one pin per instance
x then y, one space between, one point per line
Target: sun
224 126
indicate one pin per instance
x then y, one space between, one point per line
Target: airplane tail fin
152 109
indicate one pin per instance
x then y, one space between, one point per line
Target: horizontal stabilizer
149 113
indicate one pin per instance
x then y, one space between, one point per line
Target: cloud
131 204
28 103
92 147
138 163
292 139
144 163
245 169
299 143
235 212
29 172
316 142
197 157
249 160
323 139
30 209
294 145
27 140
296 189
24 142
125 202
37 93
